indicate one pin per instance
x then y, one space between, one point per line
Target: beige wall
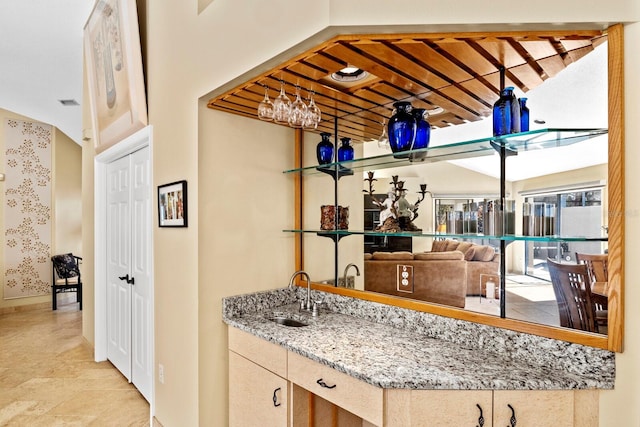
66 204
190 54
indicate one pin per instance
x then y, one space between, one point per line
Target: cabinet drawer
264 353
357 397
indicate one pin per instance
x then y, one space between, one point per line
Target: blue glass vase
423 134
506 113
345 151
324 149
402 128
524 115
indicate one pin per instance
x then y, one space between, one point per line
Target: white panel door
119 265
141 327
129 293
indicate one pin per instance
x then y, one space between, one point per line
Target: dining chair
597 267
66 277
573 294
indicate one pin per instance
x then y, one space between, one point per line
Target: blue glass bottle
324 149
345 152
423 133
402 128
502 117
506 113
524 115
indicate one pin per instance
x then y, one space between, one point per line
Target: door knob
131 281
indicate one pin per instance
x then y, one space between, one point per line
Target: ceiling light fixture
349 74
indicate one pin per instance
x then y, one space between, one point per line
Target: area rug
27 209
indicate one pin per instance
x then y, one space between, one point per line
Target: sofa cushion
445 255
367 255
438 245
470 254
404 256
464 246
484 253
452 245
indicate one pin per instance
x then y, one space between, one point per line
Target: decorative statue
396 212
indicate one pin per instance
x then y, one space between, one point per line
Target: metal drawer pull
513 416
481 419
323 384
275 398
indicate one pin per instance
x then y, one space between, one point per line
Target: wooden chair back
573 294
596 266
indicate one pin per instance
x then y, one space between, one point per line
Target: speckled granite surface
392 347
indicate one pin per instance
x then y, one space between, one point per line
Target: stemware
298 111
383 140
265 108
314 114
281 106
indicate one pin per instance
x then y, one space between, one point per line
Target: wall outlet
161 373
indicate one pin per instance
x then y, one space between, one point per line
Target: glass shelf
517 142
508 238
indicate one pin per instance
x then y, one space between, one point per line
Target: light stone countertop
390 347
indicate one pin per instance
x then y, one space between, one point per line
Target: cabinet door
440 408
545 408
257 397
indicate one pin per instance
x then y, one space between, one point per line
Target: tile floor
48 376
528 299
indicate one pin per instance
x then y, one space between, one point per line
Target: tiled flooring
48 376
527 299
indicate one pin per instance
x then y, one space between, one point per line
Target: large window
567 214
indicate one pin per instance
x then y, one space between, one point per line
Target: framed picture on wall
114 72
172 204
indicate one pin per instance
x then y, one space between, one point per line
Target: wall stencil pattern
27 210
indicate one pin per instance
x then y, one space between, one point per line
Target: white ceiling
41 60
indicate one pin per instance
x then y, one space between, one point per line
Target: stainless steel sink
285 321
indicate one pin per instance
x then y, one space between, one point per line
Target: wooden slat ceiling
458 72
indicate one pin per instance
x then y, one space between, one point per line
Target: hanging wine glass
265 108
314 114
383 140
298 111
281 106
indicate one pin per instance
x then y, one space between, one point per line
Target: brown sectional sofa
480 259
433 277
446 275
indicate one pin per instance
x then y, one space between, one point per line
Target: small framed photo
172 204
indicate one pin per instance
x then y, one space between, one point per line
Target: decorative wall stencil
27 210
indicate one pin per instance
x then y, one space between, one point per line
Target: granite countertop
367 344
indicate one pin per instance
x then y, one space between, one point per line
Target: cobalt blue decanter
402 128
345 152
423 134
324 149
506 113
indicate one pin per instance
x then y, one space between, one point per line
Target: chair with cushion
573 294
66 277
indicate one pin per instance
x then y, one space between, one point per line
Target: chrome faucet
346 269
304 305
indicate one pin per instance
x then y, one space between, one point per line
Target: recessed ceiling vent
68 102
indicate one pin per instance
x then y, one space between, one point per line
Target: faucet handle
316 308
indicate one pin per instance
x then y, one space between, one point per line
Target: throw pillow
470 254
438 245
464 246
484 253
452 245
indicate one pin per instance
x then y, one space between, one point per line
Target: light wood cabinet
269 386
258 388
449 408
